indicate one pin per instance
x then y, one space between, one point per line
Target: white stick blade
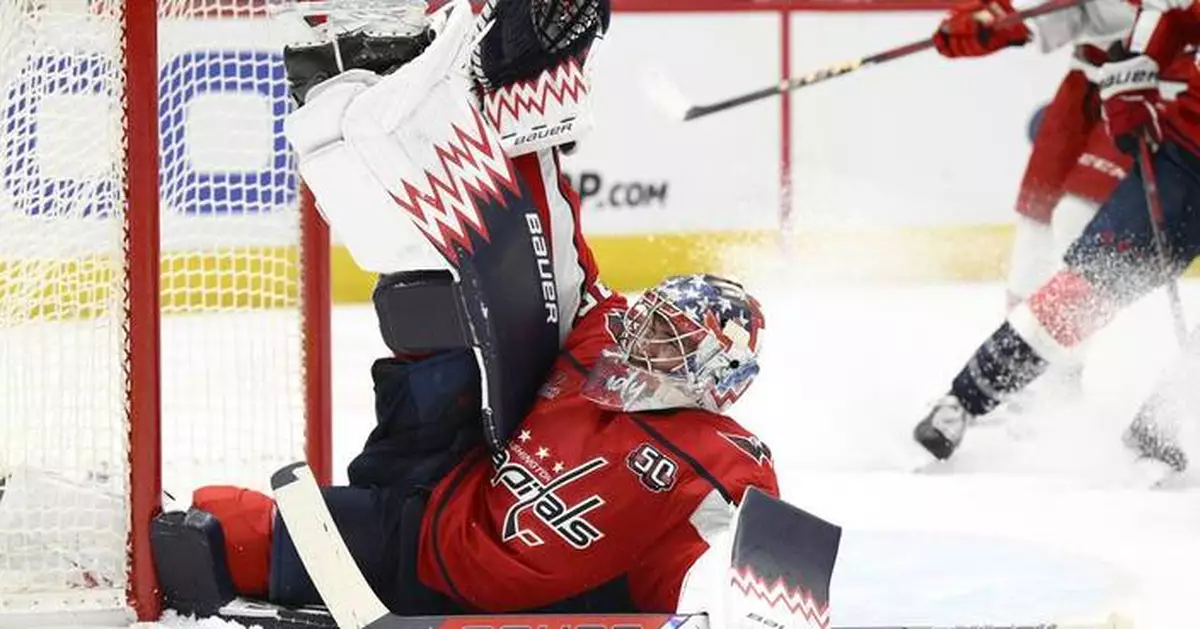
329 563
664 94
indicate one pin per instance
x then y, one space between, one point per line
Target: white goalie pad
423 139
551 110
359 137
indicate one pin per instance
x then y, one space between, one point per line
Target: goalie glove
971 30
533 67
1131 101
528 37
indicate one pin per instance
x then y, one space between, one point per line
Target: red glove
1131 101
971 29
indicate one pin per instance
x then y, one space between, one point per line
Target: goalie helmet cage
164 288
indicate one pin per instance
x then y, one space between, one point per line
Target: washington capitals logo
752 446
543 500
471 172
559 85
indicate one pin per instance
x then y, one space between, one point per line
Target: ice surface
1040 518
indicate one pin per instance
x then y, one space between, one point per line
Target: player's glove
972 30
530 36
1131 101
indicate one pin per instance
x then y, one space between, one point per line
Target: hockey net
233 346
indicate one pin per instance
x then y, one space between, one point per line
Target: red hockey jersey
1170 37
583 495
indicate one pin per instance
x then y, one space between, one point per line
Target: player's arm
1162 29
974 29
1097 22
979 27
686 573
1129 87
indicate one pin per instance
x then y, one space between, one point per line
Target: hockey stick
329 563
1145 433
667 94
353 605
1157 227
1113 622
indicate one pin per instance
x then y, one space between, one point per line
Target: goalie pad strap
420 311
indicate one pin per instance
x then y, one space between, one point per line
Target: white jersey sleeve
703 589
1096 22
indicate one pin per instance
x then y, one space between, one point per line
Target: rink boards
891 173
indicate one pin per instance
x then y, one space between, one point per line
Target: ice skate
942 429
1149 440
1060 386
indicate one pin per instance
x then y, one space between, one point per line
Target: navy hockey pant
1116 257
1116 252
428 418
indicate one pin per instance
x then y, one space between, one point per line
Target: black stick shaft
846 67
1158 225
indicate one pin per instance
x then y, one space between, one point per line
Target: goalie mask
690 342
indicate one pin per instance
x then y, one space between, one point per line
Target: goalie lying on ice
621 468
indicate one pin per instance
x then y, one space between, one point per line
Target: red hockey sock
1069 309
245 516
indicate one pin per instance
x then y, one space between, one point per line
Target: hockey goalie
542 444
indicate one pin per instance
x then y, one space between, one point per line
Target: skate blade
935 467
1157 475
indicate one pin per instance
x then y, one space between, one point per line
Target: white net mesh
232 370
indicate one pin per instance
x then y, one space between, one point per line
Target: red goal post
164 288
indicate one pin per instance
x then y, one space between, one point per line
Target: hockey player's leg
232 542
1109 265
214 551
1003 365
381 528
1152 436
428 416
1072 170
1154 432
1038 252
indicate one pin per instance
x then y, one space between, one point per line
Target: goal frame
139 61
